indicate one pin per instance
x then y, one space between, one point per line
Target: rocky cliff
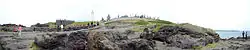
181 36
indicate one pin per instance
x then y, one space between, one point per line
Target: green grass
212 45
158 27
145 22
80 23
161 22
107 23
158 22
52 24
141 22
33 46
137 29
197 47
123 21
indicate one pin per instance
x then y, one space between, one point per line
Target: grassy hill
53 24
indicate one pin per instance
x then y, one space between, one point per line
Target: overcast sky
215 14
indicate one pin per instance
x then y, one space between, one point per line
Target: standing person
246 35
243 34
15 30
61 28
34 29
20 30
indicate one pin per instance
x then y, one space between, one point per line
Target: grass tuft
137 29
197 47
212 45
33 46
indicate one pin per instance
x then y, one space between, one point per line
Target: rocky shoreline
124 37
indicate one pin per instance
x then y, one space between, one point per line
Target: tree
108 17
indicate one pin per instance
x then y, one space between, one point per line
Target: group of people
244 35
91 24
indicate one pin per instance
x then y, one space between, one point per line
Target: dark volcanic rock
186 37
147 34
118 40
245 47
75 41
248 37
182 36
51 41
2 44
231 38
136 44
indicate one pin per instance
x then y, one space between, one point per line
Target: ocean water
228 34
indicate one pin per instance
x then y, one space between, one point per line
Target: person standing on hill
243 34
61 28
15 31
19 31
246 35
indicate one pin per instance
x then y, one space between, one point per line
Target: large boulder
136 44
118 40
77 41
51 41
57 41
186 36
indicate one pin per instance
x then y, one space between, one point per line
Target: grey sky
215 14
